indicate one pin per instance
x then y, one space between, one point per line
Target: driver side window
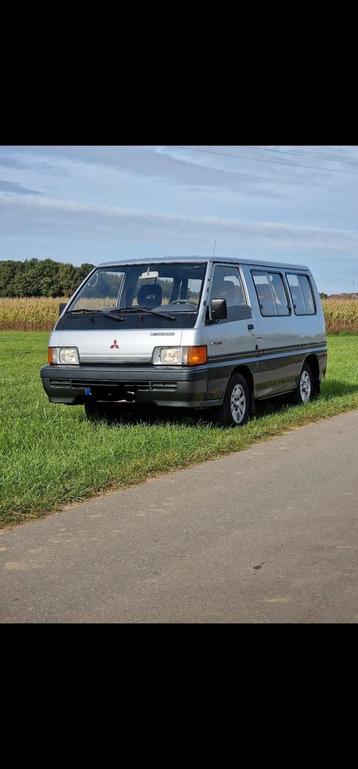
227 285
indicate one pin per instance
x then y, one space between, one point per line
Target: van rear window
301 293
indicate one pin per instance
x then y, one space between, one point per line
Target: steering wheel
183 301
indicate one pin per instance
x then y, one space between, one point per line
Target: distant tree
40 277
67 279
31 277
8 270
324 296
83 271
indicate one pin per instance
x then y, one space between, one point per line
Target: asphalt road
265 535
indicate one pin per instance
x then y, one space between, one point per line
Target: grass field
35 314
50 455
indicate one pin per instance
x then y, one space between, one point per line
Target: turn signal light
51 355
196 355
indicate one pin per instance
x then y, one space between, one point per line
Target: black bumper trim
163 386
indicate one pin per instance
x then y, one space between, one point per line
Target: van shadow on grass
132 415
139 414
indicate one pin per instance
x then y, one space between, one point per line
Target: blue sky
93 204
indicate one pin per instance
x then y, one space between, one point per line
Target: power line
300 154
263 160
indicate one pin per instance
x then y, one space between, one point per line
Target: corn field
29 314
341 315
40 314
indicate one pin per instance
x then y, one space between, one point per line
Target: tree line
45 277
40 277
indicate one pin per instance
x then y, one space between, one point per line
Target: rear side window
271 293
301 293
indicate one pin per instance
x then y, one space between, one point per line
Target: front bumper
164 385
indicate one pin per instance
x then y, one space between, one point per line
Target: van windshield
164 288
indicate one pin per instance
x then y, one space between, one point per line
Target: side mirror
218 309
61 308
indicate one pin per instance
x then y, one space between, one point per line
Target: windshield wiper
96 312
84 309
117 311
139 309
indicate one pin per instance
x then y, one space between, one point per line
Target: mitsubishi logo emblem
114 345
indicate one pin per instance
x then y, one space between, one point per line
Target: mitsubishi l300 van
196 332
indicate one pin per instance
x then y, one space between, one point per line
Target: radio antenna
214 247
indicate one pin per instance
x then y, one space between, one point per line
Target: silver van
196 332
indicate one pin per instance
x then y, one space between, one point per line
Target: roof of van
234 259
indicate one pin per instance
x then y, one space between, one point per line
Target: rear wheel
305 387
234 411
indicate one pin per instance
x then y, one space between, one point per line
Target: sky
295 204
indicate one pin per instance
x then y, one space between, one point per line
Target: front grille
163 385
80 384
60 383
109 383
118 364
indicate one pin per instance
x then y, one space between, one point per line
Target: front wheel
304 390
234 411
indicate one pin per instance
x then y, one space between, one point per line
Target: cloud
253 175
15 187
30 159
8 161
30 215
182 168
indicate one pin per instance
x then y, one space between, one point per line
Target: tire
97 412
235 409
305 387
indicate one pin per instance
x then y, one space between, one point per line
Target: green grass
50 455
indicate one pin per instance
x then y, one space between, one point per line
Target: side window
301 292
227 285
279 293
193 290
265 293
271 293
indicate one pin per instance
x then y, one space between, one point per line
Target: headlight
167 356
180 356
69 355
63 355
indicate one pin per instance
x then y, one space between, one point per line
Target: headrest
226 290
150 295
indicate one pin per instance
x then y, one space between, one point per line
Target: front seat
150 295
227 291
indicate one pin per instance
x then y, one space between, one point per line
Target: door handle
250 326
